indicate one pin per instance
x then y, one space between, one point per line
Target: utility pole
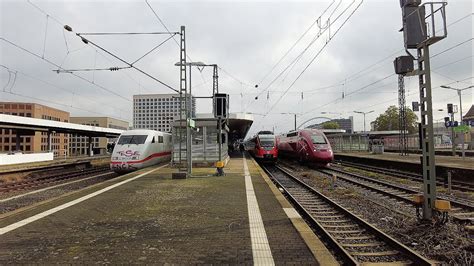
295 122
189 138
402 116
183 106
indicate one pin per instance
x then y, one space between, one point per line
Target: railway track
51 179
462 210
458 185
353 239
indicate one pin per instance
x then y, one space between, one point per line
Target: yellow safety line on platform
38 216
262 254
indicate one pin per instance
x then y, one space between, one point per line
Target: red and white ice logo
129 153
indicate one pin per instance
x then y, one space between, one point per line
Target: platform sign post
419 32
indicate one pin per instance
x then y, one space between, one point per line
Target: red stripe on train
159 154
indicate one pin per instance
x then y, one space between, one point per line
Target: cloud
245 38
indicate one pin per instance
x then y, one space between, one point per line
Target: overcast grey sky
245 38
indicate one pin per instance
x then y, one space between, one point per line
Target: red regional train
263 147
306 145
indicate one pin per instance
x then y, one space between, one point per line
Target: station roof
238 123
35 124
333 131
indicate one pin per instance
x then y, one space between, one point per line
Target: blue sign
471 123
453 123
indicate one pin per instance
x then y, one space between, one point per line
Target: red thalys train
306 145
263 147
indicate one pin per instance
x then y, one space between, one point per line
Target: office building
37 141
344 123
79 144
156 111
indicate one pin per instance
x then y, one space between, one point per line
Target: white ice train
139 148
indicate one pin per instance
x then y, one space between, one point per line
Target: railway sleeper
356 245
345 231
340 226
364 237
376 254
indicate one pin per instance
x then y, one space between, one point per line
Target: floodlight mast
418 36
460 112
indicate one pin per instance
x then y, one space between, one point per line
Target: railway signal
420 30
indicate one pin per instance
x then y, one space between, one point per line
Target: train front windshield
267 141
132 139
318 139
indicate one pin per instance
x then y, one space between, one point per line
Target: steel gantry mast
402 116
419 32
183 112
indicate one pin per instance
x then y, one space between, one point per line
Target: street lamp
460 109
364 113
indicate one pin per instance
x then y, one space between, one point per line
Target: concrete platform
148 218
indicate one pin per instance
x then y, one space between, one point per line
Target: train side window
153 139
160 139
292 134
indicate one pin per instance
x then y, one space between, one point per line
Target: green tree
330 125
389 120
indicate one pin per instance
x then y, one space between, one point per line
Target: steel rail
409 191
459 185
39 181
350 259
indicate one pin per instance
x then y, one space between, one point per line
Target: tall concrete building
344 123
156 111
79 144
37 142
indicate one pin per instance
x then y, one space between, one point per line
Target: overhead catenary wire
56 65
57 103
317 54
302 52
127 63
61 24
60 87
127 33
295 43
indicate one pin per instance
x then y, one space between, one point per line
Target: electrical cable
452 47
154 48
125 62
60 88
317 54
126 33
57 103
72 51
301 53
294 44
56 65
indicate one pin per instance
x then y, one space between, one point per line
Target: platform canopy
239 125
26 124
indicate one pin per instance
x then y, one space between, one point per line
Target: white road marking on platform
291 213
48 188
38 216
262 254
